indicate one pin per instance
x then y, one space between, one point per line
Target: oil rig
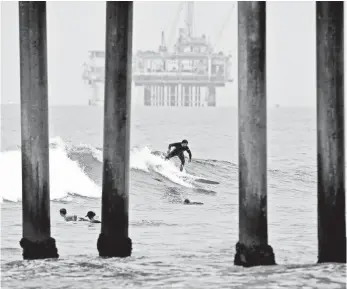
186 77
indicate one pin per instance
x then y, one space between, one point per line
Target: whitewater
173 245
67 163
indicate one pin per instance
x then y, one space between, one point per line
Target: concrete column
114 240
183 95
199 95
152 96
162 95
167 95
252 248
36 242
330 132
190 97
157 95
178 95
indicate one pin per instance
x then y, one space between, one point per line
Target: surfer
90 215
66 217
188 202
178 151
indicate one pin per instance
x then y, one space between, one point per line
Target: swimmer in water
91 219
66 217
188 202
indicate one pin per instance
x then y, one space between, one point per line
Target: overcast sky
76 27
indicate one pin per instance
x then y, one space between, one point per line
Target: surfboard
200 180
205 181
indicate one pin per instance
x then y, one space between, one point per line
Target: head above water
63 212
90 215
184 143
186 201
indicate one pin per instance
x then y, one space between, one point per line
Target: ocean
174 246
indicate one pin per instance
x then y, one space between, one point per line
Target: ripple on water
178 271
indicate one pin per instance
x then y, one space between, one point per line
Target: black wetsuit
178 151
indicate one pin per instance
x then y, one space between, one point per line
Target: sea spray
68 177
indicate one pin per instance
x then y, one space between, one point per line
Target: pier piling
113 240
330 132
36 242
252 248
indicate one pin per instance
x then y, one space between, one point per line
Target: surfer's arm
173 145
189 153
95 221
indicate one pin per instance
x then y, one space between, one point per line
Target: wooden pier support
252 248
36 242
330 132
113 240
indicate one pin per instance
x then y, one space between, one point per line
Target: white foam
65 175
143 159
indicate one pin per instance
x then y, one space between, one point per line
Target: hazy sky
76 27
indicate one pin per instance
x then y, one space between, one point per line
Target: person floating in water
178 151
188 202
90 215
66 217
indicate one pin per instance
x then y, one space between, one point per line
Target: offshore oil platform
187 76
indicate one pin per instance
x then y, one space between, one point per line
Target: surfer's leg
182 159
170 155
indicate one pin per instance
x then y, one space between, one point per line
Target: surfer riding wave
179 149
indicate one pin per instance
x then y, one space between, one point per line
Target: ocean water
174 246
